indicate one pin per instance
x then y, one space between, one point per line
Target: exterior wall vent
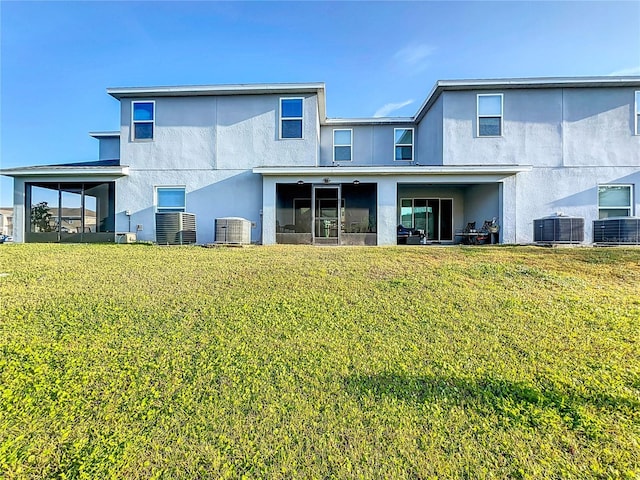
617 231
558 229
175 228
233 230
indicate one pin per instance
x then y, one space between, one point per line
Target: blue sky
57 58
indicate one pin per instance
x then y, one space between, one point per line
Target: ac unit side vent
175 228
558 230
617 231
233 230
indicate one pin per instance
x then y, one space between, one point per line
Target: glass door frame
315 217
437 217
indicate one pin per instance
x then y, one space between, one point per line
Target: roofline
199 90
533 82
51 171
111 134
393 170
368 121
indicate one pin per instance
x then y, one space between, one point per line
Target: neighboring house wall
6 221
109 148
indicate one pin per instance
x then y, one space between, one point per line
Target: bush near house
297 362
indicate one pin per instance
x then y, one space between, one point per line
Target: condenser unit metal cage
558 230
617 231
175 228
233 230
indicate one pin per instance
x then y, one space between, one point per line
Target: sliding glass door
432 216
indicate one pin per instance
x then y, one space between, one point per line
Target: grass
297 362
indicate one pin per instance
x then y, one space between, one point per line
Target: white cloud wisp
385 110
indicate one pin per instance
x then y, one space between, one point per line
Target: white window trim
155 196
413 141
133 122
291 118
616 207
350 145
478 116
636 98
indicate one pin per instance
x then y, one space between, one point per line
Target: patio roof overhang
58 171
417 173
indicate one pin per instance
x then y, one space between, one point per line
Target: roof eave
111 134
394 170
119 171
209 90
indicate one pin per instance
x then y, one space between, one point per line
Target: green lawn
133 361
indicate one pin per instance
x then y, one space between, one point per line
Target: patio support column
509 214
268 210
387 211
19 210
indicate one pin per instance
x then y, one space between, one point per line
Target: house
516 150
6 221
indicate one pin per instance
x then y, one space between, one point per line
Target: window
404 144
170 199
615 201
490 115
637 116
143 114
291 118
342 145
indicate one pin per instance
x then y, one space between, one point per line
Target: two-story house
515 150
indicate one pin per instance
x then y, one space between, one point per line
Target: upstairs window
291 118
342 145
170 199
403 144
637 116
490 115
615 201
143 120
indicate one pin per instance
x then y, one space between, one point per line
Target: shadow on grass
513 402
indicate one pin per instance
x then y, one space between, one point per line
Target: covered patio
66 203
365 205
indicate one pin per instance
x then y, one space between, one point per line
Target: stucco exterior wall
570 191
223 132
372 145
209 145
109 148
598 127
532 129
430 135
209 195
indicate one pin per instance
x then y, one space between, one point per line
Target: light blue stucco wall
574 139
223 132
430 135
209 195
209 145
109 148
373 145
